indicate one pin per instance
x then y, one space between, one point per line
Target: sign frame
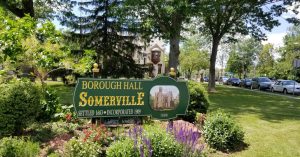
147 109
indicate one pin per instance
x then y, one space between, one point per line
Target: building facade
153 57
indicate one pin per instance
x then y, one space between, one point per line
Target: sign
296 63
161 98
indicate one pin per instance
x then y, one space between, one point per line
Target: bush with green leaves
50 104
222 132
199 101
122 148
152 142
18 147
19 106
79 148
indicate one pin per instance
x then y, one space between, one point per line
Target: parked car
286 86
233 81
246 83
223 79
205 79
261 83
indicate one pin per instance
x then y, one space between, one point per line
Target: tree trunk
212 69
174 51
189 74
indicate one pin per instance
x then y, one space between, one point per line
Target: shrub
122 148
199 101
151 142
50 104
78 148
163 143
19 106
97 133
14 147
188 136
221 132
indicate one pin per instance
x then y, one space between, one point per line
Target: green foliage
162 144
18 147
192 58
113 40
266 61
50 104
242 56
199 101
221 132
122 148
13 32
291 50
78 148
19 106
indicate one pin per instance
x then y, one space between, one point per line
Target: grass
65 93
271 122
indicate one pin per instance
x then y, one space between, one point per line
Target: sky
275 37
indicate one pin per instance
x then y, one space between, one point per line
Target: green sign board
161 98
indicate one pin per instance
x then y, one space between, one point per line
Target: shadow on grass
268 107
64 92
41 135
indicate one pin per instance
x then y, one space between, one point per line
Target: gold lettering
102 85
112 100
131 86
127 100
113 85
119 85
106 98
132 100
123 100
83 100
126 85
90 85
140 88
96 83
119 100
140 98
91 101
107 85
98 100
84 84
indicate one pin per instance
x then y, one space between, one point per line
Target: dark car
261 83
233 81
205 79
246 83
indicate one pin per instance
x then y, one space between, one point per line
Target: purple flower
142 150
129 133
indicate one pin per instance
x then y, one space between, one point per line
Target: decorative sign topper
161 98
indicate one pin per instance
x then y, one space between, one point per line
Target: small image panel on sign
164 97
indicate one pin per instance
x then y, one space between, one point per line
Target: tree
13 32
243 55
265 61
289 52
226 18
42 9
192 58
105 27
19 7
165 19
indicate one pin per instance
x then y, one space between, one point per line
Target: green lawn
271 123
65 93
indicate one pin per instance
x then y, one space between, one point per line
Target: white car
286 86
